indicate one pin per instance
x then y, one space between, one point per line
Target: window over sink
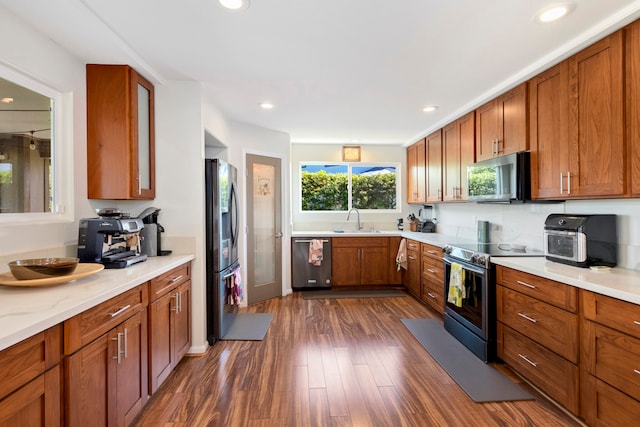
343 186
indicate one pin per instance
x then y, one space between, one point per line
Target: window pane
373 187
324 187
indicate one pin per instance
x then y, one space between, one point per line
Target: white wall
324 221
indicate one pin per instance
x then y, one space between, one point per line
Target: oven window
561 245
471 305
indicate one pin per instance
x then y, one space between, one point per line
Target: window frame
350 165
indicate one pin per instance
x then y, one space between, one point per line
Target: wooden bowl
42 268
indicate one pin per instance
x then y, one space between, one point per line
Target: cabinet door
596 120
513 121
160 354
549 112
35 404
374 265
90 384
451 162
131 368
632 106
487 130
416 176
142 100
467 151
412 278
434 167
345 265
182 323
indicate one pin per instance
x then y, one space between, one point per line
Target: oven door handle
479 270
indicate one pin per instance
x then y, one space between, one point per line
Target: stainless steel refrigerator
221 243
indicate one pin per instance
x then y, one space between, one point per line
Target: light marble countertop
25 312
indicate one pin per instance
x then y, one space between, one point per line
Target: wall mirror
26 147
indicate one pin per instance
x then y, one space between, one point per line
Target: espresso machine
110 240
151 233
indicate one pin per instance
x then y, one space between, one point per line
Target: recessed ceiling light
6 100
430 108
355 140
553 12
234 4
266 105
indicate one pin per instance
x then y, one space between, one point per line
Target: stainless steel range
469 282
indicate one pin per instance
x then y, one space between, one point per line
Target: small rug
353 293
248 327
481 381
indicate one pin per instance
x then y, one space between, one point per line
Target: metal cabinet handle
530 319
561 178
636 371
431 270
431 252
119 347
175 279
126 346
432 295
175 308
535 365
120 311
568 182
636 322
526 284
139 184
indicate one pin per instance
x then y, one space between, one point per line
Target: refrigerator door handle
234 214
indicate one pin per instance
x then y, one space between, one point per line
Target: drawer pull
120 311
636 371
526 359
636 322
176 279
410 257
526 284
431 270
530 319
126 347
119 347
432 295
431 252
176 305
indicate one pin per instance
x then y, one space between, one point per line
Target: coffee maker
151 242
112 241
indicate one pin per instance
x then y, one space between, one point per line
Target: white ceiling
336 70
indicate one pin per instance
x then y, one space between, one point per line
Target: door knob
278 234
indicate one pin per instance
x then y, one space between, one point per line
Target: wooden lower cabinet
610 361
30 387
539 340
360 261
169 333
412 274
432 286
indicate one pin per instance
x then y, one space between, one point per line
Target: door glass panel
264 223
143 137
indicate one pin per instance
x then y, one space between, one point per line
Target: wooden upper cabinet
416 178
632 107
434 166
596 121
549 114
502 125
120 134
458 141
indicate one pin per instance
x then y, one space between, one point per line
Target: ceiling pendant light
553 12
234 4
32 144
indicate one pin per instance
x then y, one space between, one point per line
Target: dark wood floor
340 362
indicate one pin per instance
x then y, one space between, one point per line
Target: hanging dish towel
456 285
401 257
234 288
315 252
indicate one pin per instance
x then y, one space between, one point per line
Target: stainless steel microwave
504 179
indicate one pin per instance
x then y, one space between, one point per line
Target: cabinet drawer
349 242
433 269
550 326
621 315
412 245
604 406
432 251
613 357
90 324
550 291
554 375
163 284
27 359
433 294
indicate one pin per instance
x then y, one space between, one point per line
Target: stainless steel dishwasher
304 274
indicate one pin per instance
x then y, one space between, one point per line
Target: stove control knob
447 249
481 260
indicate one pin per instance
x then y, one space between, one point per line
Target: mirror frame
61 151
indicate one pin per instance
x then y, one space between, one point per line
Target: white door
264 228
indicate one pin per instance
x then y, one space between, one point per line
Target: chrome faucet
358 218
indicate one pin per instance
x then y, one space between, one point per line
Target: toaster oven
581 240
